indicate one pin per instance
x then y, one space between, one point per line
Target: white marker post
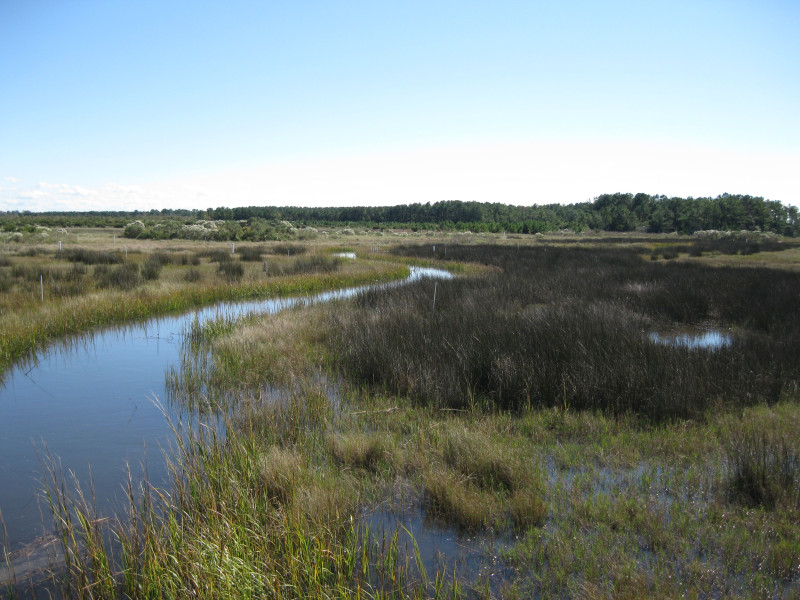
41 286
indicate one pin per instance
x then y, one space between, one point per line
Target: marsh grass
312 264
370 452
89 256
251 253
288 249
763 460
77 298
241 520
569 327
231 270
528 407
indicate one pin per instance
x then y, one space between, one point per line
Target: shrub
134 229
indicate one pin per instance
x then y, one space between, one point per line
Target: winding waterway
91 402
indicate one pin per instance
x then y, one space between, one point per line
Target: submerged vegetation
526 412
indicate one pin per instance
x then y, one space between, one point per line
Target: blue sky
137 105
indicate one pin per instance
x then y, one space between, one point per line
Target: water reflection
91 398
707 340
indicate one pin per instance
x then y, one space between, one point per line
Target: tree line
618 212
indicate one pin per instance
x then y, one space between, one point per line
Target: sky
119 105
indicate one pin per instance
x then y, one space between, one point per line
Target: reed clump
370 452
288 249
241 520
570 327
88 256
763 463
251 253
299 266
457 501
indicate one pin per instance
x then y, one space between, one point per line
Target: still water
706 340
92 402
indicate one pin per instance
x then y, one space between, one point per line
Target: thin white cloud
11 179
46 196
521 173
511 173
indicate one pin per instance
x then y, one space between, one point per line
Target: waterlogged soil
94 403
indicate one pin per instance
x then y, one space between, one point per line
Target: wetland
510 432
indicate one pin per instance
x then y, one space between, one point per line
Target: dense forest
608 212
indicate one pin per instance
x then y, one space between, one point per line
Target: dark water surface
92 401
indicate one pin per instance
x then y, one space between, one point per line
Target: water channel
91 402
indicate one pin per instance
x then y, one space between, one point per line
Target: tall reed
571 327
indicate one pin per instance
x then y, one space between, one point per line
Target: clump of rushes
481 459
570 327
217 255
360 450
763 462
313 264
288 249
251 253
124 277
528 507
280 471
238 523
151 268
457 501
478 468
231 270
193 276
91 257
